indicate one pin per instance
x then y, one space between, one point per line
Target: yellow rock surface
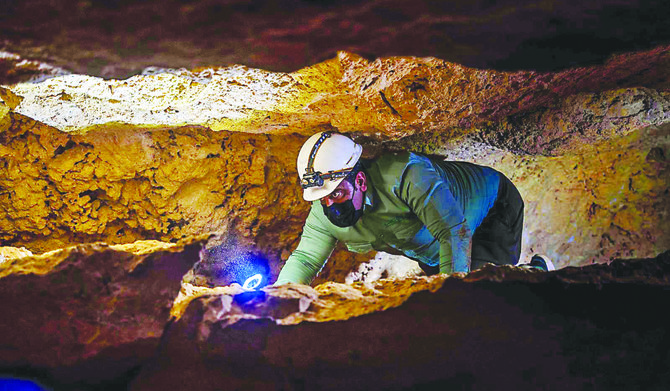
173 155
119 184
13 252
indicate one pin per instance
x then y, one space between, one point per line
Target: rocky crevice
179 154
216 172
558 330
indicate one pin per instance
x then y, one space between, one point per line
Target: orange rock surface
169 157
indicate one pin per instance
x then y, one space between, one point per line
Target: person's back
473 187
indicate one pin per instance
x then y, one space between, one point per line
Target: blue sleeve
428 195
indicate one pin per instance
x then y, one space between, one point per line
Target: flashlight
251 295
252 282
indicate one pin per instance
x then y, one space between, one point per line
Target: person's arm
429 197
316 245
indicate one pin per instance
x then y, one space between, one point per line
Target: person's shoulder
419 161
390 158
398 163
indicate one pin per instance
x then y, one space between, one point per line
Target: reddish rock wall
119 38
89 314
173 154
499 328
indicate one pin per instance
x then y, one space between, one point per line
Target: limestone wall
120 183
180 153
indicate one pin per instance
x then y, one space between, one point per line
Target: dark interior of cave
117 39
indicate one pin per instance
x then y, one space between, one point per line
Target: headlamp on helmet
324 160
316 179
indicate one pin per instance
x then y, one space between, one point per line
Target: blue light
9 384
230 263
249 298
253 282
251 271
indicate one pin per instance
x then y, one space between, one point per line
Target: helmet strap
315 149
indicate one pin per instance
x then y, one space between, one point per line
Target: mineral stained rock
396 96
88 314
177 154
497 328
119 184
181 153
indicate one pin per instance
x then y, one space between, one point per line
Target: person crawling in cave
448 216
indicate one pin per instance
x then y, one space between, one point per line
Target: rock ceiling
183 153
135 134
119 38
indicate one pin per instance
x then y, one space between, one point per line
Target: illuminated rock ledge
576 328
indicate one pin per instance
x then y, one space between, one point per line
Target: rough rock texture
120 183
595 327
173 154
14 69
177 154
119 38
394 97
580 121
88 315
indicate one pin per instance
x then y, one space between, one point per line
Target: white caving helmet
325 159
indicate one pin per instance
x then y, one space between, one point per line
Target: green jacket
424 209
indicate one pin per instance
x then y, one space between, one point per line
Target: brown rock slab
91 313
117 39
499 328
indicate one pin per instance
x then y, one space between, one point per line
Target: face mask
343 214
